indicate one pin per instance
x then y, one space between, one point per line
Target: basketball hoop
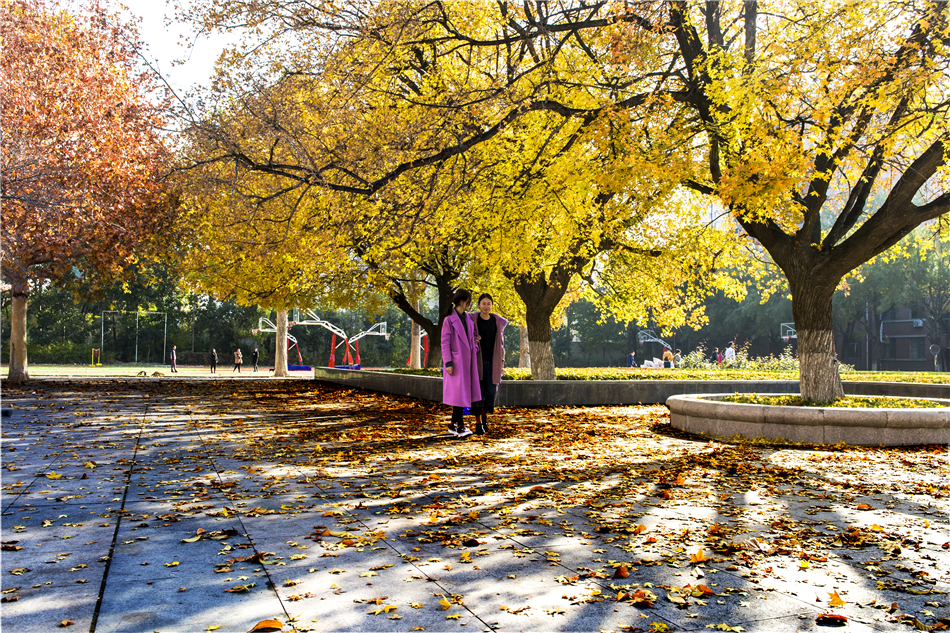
255 332
387 336
785 338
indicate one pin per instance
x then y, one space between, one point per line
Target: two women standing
473 354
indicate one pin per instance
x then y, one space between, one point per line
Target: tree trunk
415 339
539 344
811 309
19 369
280 357
541 296
524 353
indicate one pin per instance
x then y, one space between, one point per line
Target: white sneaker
452 430
464 433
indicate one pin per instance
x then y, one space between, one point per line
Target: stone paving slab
354 512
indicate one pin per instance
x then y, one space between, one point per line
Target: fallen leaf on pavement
831 619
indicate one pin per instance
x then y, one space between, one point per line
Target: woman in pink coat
460 357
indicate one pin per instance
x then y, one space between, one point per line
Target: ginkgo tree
581 217
278 137
828 137
81 157
241 243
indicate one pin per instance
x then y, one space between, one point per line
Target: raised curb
815 425
539 393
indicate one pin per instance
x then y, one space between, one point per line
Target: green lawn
204 371
624 373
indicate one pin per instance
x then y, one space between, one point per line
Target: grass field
115 371
624 373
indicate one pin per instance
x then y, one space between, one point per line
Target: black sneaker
465 432
480 428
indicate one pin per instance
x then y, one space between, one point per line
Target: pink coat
458 345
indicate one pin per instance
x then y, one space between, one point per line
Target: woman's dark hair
484 295
461 296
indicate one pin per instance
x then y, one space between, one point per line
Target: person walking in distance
254 358
490 334
459 355
174 360
238 361
214 361
730 356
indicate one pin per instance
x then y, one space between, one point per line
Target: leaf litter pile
357 510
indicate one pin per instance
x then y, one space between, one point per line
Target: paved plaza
183 504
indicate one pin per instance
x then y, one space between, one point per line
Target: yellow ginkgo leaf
452 617
368 574
445 604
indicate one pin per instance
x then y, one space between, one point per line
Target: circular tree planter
704 413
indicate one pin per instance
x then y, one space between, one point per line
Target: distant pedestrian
238 361
460 381
730 356
716 357
490 335
254 358
677 358
214 361
174 359
632 359
667 358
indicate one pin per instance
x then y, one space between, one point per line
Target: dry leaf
268 625
698 557
836 600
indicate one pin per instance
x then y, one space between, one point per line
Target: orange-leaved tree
82 154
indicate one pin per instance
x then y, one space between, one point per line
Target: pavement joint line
244 530
118 523
36 478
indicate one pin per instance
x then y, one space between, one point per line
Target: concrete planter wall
538 393
867 427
